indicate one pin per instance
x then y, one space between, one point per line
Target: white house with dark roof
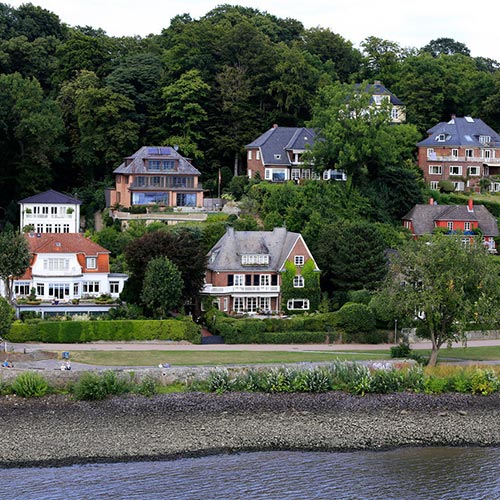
50 212
468 220
462 151
66 266
245 271
380 95
156 175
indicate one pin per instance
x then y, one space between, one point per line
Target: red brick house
156 176
246 269
463 219
462 151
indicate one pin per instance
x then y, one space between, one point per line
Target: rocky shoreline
56 431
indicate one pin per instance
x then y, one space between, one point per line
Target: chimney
275 125
431 201
470 205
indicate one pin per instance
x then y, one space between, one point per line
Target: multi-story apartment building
156 176
463 151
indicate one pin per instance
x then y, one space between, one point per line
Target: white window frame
249 156
458 185
299 260
265 280
298 281
469 153
475 169
114 287
467 226
91 262
441 138
257 155
239 280
268 174
458 169
434 185
435 169
454 153
293 304
449 225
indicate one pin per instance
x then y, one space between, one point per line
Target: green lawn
213 358
490 353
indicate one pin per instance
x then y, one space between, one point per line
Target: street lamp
395 331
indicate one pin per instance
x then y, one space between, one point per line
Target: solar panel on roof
152 151
165 151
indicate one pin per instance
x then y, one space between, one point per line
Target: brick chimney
470 205
275 125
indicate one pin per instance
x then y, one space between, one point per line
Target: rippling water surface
410 473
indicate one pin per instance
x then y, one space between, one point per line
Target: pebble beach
56 430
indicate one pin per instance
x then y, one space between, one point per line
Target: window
257 155
252 304
279 175
91 287
45 210
149 198
454 153
484 139
255 260
268 175
57 228
56 264
459 186
160 165
225 304
58 290
265 303
239 280
76 289
435 169
40 289
114 287
434 185
466 226
238 304
298 260
156 181
91 262
140 181
265 280
455 170
295 173
469 153
22 288
431 154
450 225
441 138
53 210
298 281
394 113
48 228
65 228
298 304
249 157
186 199
473 171
486 154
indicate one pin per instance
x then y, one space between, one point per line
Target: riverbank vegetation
351 378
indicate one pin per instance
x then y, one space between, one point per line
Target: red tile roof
63 243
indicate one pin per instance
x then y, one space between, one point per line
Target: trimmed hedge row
276 338
88 331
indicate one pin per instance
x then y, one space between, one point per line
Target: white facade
50 217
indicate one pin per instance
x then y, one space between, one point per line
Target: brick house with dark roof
156 175
245 271
465 219
462 151
67 266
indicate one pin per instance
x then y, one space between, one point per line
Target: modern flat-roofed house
50 212
247 269
462 151
67 266
156 176
468 220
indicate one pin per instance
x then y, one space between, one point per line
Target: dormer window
484 139
160 165
91 263
255 260
441 138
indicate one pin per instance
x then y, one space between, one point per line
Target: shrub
314 380
400 351
219 381
484 382
30 385
147 386
89 387
279 380
114 384
353 318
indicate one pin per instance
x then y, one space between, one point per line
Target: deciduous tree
15 258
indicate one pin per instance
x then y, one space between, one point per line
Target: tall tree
446 46
15 258
162 286
441 285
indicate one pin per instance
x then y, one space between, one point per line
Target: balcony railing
463 159
240 289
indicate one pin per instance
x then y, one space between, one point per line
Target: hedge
113 330
277 338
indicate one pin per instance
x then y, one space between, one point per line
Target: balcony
229 290
463 159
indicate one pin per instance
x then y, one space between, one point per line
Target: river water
408 473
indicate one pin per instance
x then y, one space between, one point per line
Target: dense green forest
74 101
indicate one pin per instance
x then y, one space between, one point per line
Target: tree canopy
441 285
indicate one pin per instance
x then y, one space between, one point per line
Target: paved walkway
181 346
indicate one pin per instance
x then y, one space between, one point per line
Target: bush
147 386
93 386
353 318
219 381
400 351
30 385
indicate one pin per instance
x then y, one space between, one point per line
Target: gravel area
56 430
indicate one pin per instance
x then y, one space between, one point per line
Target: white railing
47 216
239 289
74 271
463 159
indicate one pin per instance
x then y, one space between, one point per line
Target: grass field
490 353
213 358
